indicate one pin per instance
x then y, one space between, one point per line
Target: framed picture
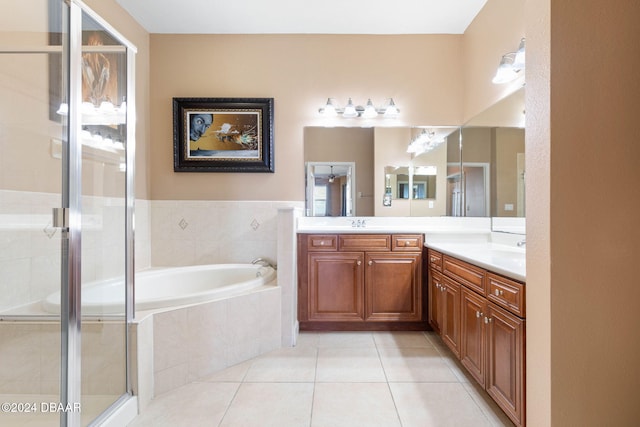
223 135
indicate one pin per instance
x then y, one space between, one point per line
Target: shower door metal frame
71 314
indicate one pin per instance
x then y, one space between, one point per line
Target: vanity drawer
467 274
322 242
435 260
506 293
364 242
406 242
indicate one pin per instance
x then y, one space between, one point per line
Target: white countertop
468 239
507 260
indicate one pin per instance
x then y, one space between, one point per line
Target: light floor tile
401 339
353 404
345 339
436 405
235 373
297 364
349 365
334 379
415 365
195 404
489 408
270 404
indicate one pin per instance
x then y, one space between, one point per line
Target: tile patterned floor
334 379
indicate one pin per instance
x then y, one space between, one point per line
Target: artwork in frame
223 135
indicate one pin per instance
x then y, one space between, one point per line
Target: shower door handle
61 218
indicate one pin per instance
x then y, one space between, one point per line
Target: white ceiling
304 16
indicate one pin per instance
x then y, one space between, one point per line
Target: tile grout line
315 380
393 399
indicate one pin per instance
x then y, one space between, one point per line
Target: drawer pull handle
498 292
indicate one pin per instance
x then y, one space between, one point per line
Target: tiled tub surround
191 232
176 346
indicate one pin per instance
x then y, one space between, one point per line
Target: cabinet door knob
359 262
370 262
478 314
488 320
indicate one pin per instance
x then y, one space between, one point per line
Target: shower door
66 209
105 66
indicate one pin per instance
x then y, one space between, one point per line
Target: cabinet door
472 334
336 286
450 315
435 283
393 287
505 379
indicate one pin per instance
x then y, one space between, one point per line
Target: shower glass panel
31 185
66 209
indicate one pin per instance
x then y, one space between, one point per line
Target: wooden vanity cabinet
473 347
435 283
505 379
360 282
491 343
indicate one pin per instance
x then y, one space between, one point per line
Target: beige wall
299 72
496 30
583 344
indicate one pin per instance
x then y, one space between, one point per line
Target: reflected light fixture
424 142
510 65
332 177
351 110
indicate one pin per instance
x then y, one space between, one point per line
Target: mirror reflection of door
476 189
331 191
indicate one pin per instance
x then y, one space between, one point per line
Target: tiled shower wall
30 246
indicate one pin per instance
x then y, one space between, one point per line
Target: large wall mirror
473 170
493 153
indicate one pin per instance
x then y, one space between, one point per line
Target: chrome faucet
360 223
263 262
521 243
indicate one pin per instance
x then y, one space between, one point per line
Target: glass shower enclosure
66 213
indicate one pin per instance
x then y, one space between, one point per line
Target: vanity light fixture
510 65
351 110
518 61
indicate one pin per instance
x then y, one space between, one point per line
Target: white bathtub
168 287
